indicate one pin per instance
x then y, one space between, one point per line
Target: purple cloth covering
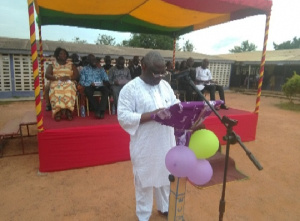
183 116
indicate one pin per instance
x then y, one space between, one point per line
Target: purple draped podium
184 117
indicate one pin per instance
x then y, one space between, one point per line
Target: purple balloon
201 173
180 160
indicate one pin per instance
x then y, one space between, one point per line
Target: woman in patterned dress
62 74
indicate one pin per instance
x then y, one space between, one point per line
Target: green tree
105 40
292 86
188 46
177 47
149 41
245 46
295 43
78 41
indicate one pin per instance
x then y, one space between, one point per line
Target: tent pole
41 59
249 74
262 64
35 67
177 184
174 49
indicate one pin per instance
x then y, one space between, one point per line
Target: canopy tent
166 17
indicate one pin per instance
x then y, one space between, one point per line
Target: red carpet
245 128
88 141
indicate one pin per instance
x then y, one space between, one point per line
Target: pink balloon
201 173
180 160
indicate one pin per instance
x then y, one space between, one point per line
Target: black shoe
102 115
48 107
98 115
223 106
163 213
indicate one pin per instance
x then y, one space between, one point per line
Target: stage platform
87 141
245 128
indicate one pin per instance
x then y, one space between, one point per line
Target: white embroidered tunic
203 75
150 141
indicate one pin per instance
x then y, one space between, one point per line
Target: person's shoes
165 214
48 107
97 115
57 117
69 115
223 106
102 115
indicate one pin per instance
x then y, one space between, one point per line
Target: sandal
57 117
69 115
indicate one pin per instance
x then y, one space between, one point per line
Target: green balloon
204 143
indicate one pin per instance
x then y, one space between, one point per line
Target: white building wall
221 73
5 77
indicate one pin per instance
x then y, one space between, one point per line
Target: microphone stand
231 138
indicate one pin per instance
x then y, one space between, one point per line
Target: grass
5 102
289 106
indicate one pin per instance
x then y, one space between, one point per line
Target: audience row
69 77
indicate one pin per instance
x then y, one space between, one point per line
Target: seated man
183 84
204 81
107 65
169 72
135 68
118 77
94 79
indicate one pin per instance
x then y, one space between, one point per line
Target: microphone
181 74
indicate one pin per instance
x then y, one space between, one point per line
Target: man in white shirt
204 81
149 141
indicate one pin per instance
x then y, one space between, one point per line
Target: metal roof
279 57
22 46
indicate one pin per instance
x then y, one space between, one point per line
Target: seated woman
62 74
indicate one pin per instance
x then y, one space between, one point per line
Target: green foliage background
292 86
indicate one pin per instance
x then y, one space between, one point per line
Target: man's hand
147 116
202 82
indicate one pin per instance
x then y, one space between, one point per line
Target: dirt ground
107 192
